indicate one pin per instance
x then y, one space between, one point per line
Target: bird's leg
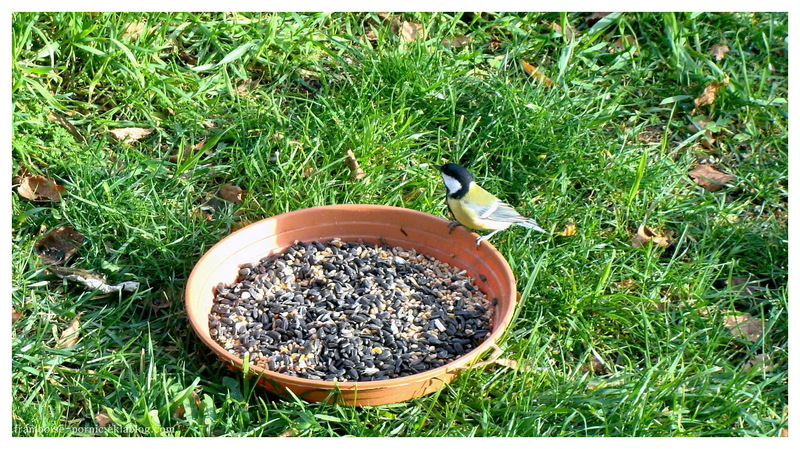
452 226
485 237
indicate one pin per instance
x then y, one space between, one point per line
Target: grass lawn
679 332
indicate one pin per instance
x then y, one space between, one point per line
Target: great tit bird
475 208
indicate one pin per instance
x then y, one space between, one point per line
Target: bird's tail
531 224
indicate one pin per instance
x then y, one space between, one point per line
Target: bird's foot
485 237
452 226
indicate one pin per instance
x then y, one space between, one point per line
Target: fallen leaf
245 87
15 315
709 178
160 304
456 41
134 30
188 58
534 72
178 156
569 230
130 135
645 234
508 363
201 214
92 280
355 171
414 194
196 398
517 365
785 432
595 366
102 420
290 432
718 51
745 325
761 361
569 33
595 17
709 93
57 246
61 120
371 35
623 42
235 226
409 31
70 335
308 172
625 284
39 188
232 193
493 44
742 286
179 412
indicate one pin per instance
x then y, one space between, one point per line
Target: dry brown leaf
645 234
57 246
745 325
409 31
534 72
718 51
625 284
187 152
709 178
371 35
308 172
232 193
92 280
517 365
355 171
70 335
456 41
61 120
15 315
39 188
595 366
245 87
622 43
290 432
570 33
710 93
414 194
742 286
201 214
130 135
761 361
179 412
785 432
235 226
652 134
188 58
508 363
569 230
592 19
134 30
493 44
102 420
163 303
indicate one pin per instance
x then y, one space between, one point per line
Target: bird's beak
438 167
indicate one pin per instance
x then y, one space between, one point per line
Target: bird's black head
456 178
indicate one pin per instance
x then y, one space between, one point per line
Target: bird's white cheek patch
451 183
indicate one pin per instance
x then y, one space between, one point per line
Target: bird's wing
501 211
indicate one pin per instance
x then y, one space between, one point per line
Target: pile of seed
349 311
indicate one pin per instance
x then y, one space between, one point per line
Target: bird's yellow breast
466 215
